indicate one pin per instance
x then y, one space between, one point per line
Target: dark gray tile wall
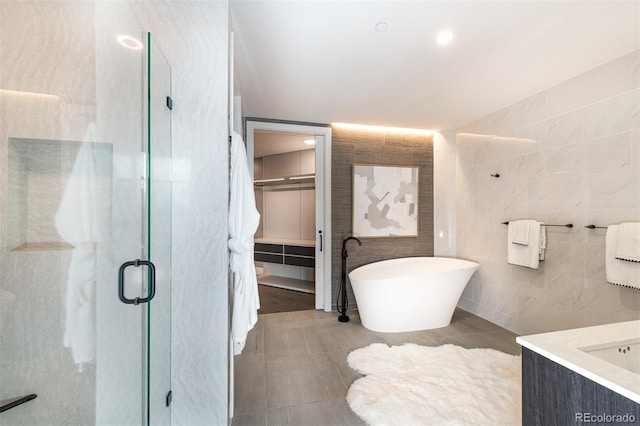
375 147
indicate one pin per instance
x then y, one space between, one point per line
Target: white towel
543 241
628 244
519 231
620 272
530 255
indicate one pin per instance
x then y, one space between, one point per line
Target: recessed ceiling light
310 141
381 27
129 42
444 37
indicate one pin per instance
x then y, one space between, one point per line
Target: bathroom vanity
585 375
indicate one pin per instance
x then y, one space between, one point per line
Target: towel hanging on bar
529 255
619 272
628 245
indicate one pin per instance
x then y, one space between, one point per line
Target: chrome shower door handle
152 282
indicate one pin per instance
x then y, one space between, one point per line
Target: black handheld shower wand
343 280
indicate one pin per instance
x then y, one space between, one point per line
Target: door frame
322 133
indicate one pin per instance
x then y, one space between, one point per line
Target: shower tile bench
290 252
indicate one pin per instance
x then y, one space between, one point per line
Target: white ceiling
271 143
324 62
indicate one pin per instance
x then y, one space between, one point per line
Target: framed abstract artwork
385 201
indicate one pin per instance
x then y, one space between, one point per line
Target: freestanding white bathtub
408 294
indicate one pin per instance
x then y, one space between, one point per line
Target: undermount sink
625 354
607 354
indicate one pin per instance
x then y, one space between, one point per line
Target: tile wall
444 185
385 148
569 154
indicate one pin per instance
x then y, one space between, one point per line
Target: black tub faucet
343 281
344 245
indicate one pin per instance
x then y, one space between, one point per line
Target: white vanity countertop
287 241
563 347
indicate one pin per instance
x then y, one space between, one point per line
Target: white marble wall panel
613 115
66 36
615 190
444 200
635 149
566 155
48 75
601 158
610 79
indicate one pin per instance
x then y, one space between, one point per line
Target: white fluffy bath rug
446 385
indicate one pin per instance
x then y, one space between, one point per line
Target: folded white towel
543 241
519 231
620 272
529 255
628 244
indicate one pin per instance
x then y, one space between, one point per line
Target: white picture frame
385 201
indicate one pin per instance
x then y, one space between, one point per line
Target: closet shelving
286 252
284 249
285 180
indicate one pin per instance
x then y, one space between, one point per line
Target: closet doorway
291 169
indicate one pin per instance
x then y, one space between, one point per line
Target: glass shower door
158 234
83 189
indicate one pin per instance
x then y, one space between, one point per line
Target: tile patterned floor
293 370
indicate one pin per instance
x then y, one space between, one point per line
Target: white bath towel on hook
243 223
